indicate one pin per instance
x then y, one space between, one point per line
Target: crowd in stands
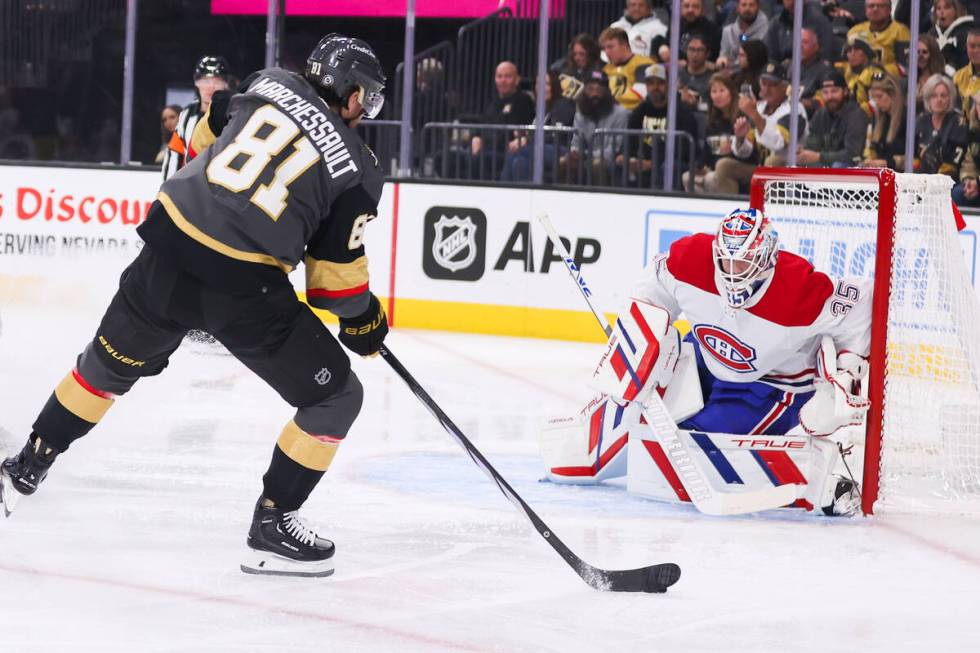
607 99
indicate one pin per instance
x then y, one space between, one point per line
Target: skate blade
270 564
8 496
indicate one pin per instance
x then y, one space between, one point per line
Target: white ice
133 542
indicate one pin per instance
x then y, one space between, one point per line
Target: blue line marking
717 459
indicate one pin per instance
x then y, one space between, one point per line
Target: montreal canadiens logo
725 348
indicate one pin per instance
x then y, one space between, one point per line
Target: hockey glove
364 333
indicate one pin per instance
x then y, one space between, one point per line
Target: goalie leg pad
589 447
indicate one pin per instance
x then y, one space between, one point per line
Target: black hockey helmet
211 66
342 65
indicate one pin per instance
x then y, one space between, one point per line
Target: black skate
846 500
21 474
282 544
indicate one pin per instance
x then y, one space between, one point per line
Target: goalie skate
282 544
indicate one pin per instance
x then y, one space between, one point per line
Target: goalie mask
744 251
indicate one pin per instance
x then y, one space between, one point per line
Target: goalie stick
655 578
704 496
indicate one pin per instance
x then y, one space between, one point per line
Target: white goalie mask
745 251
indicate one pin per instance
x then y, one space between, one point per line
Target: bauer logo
454 243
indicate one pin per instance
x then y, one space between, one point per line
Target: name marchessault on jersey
318 127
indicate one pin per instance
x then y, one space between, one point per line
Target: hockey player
759 319
287 180
211 74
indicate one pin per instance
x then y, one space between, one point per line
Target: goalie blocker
609 437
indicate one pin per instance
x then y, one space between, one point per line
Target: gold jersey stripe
303 448
80 402
203 137
336 276
211 243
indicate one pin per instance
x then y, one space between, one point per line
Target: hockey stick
655 578
704 496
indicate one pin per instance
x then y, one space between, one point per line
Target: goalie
774 346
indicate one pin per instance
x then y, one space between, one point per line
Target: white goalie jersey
775 336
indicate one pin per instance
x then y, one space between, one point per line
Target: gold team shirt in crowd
858 83
967 81
623 77
891 44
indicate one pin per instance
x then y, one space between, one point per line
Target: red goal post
925 356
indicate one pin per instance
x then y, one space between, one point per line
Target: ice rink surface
133 542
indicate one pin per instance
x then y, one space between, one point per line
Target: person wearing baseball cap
889 39
595 108
838 129
646 158
761 134
860 68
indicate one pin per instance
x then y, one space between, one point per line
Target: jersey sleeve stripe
203 137
212 243
331 279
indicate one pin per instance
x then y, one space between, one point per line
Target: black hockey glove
364 333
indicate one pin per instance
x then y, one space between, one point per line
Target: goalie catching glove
640 356
836 402
364 333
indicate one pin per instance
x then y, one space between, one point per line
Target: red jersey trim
346 292
796 294
691 262
795 297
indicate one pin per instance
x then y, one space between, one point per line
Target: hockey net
922 442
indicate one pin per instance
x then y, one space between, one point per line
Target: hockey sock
298 463
71 411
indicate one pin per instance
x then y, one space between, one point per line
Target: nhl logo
454 245
323 376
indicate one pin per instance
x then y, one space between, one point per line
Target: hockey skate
845 499
21 474
282 544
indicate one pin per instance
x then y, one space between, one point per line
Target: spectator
889 38
693 21
575 67
779 35
967 192
838 130
752 61
763 132
750 24
967 78
625 69
595 109
903 14
651 116
512 106
647 34
694 74
813 70
940 133
210 74
930 62
559 112
859 68
15 141
886 140
952 24
168 123
720 131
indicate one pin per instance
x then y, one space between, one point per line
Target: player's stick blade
269 564
654 579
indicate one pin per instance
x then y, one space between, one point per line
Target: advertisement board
446 257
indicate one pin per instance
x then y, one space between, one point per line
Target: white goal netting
930 434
